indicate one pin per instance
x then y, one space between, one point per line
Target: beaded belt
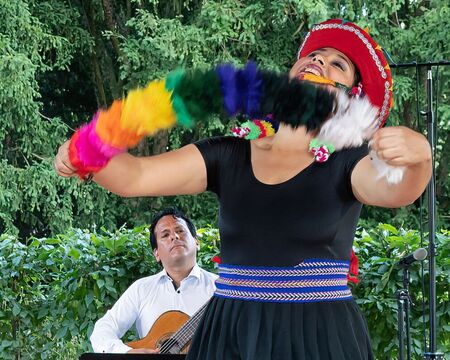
310 281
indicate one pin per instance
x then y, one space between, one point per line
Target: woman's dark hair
176 213
357 78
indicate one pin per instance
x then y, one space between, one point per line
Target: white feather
393 174
353 122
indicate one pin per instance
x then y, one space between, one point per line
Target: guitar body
162 331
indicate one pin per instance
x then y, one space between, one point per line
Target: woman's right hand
62 164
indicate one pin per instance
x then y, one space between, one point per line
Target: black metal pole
431 128
431 189
432 213
420 64
400 323
407 312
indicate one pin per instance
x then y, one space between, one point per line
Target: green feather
201 93
174 78
183 116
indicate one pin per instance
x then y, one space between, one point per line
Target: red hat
365 54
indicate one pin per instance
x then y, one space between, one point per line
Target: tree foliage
60 60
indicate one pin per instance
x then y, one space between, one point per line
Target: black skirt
250 330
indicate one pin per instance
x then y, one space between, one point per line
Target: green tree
60 60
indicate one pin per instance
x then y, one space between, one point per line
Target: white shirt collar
195 272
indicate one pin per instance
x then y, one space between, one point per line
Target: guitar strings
179 336
184 332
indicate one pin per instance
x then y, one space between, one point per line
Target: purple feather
227 76
253 91
241 90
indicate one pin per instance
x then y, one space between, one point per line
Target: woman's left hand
401 146
397 146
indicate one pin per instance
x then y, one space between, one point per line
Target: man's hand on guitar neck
143 351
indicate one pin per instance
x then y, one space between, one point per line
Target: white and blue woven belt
310 281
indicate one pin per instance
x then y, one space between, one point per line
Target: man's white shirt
145 301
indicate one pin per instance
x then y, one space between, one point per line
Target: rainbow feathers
186 97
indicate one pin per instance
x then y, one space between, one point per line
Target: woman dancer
287 221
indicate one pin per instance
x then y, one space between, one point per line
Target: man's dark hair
176 213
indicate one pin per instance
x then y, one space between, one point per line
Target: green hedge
54 289
379 250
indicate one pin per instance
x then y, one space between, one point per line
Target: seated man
182 285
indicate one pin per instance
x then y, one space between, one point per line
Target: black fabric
249 330
310 216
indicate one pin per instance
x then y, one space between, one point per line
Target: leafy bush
378 250
54 289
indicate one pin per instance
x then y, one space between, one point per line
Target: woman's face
326 62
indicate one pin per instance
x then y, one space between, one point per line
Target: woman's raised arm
177 172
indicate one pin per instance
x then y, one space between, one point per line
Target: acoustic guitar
172 332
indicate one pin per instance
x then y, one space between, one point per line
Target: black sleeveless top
310 216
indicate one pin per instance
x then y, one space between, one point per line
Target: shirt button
178 291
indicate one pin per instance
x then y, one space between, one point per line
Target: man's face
176 245
326 62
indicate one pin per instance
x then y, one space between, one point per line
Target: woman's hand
401 146
62 164
397 146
